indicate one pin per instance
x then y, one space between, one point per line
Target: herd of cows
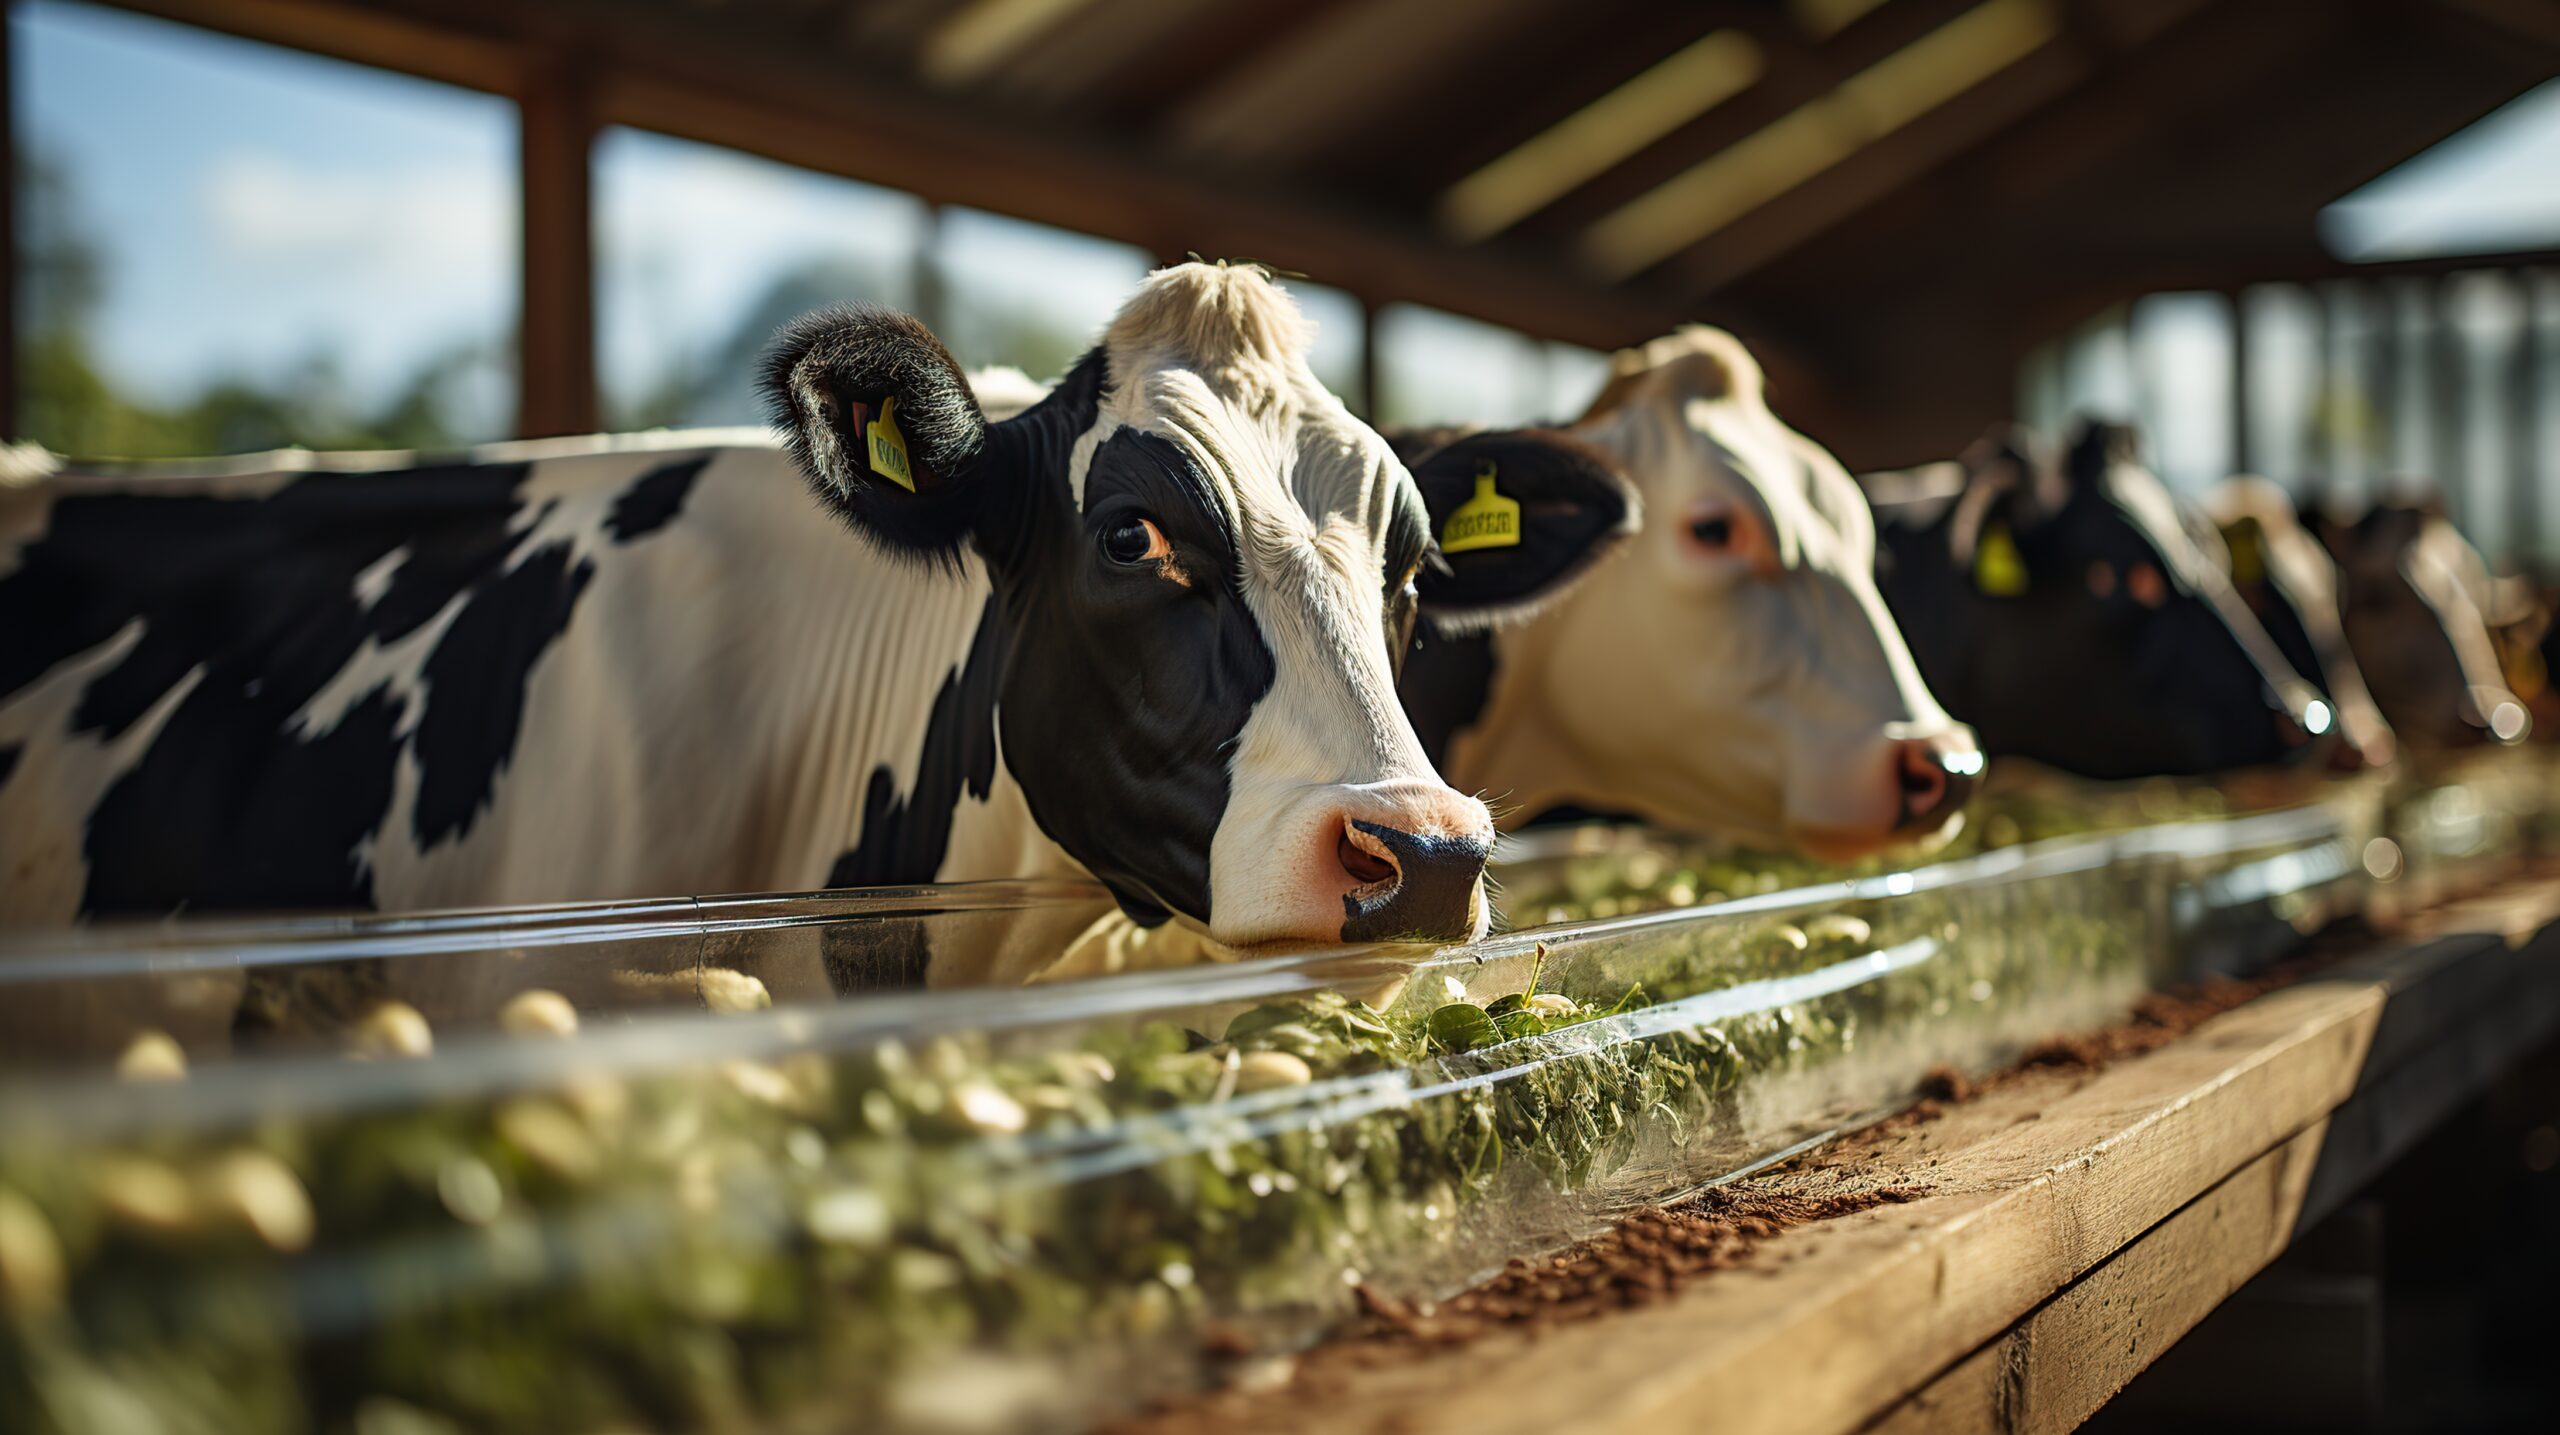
1178 622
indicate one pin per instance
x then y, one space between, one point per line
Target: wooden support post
1366 395
2447 422
556 341
2383 302
2244 452
2523 548
2320 446
924 278
8 238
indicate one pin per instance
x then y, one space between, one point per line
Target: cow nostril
1436 891
1934 783
2289 732
1923 776
1363 856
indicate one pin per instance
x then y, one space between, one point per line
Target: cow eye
1134 540
2146 585
2102 578
1713 532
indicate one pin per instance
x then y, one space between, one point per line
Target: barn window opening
1012 292
702 252
1437 367
226 246
2485 190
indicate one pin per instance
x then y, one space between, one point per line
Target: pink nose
1937 776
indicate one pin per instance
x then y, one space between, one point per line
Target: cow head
1203 564
2070 616
2290 585
1734 669
2415 599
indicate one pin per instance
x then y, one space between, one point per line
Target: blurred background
2301 237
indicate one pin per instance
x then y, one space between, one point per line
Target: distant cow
2417 602
1733 670
1142 630
2291 586
2066 612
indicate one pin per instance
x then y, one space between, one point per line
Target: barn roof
1891 198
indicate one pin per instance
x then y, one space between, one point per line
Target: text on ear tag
1487 520
1998 570
889 447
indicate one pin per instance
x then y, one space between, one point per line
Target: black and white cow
2419 605
1143 630
2068 614
1732 671
2291 586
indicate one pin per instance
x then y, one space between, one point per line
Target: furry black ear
2010 488
1516 516
876 413
2096 448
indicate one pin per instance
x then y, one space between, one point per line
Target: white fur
1762 701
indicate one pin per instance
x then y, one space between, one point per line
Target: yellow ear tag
889 447
2248 552
1487 520
1997 569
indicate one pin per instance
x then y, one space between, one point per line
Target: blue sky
259 207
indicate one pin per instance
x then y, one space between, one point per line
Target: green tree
68 402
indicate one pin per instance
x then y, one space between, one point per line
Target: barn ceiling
1892 199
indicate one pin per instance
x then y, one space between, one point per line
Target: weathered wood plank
2049 1371
2440 1043
2117 1217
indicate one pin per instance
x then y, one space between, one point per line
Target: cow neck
1514 754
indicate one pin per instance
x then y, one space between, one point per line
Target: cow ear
1516 518
2005 498
881 420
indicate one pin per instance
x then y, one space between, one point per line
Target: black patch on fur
2101 686
8 762
905 836
1126 691
475 681
250 604
1446 683
654 499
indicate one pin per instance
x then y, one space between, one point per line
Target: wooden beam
1325 81
1796 74
556 336
365 35
2157 1185
1907 156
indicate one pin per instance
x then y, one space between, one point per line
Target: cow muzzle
1937 776
1913 794
1394 861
